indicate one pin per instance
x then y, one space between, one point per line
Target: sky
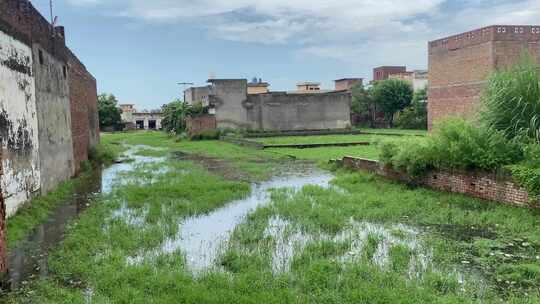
139 50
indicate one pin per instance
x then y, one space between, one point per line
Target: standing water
200 238
29 259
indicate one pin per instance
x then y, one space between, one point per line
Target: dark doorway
152 124
140 124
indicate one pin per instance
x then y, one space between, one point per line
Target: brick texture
19 19
198 124
84 120
460 65
481 185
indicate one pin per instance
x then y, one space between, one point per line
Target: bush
456 144
392 96
207 135
512 101
103 154
527 173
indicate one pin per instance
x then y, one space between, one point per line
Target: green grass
37 210
450 227
253 163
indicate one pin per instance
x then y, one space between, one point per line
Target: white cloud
379 30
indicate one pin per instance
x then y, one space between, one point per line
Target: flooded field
163 225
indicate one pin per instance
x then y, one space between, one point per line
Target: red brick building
459 65
345 84
384 72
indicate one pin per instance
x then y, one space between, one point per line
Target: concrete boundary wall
18 124
480 185
41 84
54 119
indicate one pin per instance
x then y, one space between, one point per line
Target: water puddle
202 238
290 241
28 261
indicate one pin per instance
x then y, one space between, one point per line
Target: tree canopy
109 113
392 96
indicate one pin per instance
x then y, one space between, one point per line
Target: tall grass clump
511 102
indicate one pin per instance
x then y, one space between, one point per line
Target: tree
362 104
392 96
175 113
109 113
415 115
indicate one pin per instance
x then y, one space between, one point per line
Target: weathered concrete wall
277 111
229 96
3 232
84 111
286 112
195 95
54 119
460 65
35 123
18 123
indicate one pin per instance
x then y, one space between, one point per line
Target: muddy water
202 238
29 260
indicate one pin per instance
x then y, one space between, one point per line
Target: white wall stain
19 130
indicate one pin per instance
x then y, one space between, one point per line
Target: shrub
103 154
458 144
415 156
207 135
527 173
512 101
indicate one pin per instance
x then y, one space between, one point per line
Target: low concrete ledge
242 142
302 133
308 146
480 185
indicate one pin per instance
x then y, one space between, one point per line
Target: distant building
384 72
418 78
196 95
257 86
309 109
307 87
345 84
459 65
145 120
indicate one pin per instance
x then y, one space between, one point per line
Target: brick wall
382 73
460 65
198 124
481 185
84 117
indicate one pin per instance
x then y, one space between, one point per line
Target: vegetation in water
475 252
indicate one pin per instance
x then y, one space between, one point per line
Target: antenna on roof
54 19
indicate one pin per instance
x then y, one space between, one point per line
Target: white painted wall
18 103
